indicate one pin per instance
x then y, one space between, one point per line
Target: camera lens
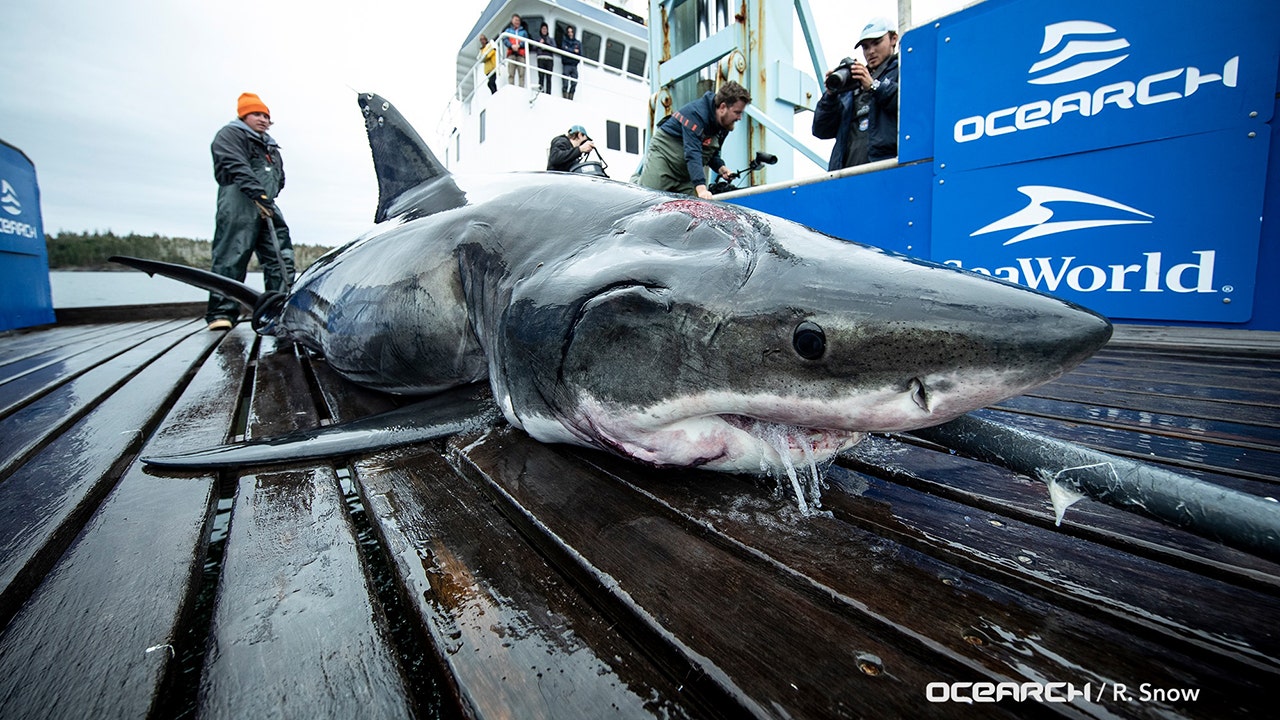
838 79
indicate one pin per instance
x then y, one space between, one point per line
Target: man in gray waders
250 174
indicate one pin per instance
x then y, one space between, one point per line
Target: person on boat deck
690 138
250 174
546 60
517 58
567 149
489 54
862 114
569 62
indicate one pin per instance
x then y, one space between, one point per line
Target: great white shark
673 331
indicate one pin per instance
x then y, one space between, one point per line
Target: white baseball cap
876 29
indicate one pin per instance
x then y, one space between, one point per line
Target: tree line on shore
90 250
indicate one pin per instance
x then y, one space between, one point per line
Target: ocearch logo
1062 38
1078 49
1153 273
9 199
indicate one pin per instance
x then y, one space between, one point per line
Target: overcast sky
117 102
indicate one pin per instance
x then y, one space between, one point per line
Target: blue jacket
834 117
570 46
696 124
515 47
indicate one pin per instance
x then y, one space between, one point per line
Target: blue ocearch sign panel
1038 79
20 229
1167 230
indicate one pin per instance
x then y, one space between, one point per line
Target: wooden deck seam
1014 576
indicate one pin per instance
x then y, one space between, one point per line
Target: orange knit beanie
250 102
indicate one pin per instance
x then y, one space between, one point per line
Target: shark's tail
403 162
264 307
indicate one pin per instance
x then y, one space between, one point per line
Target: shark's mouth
821 442
728 442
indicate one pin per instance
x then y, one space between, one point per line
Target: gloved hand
266 208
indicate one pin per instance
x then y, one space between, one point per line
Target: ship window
482 112
633 139
613 52
636 61
532 24
613 135
590 46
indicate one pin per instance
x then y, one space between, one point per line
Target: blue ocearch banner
1039 79
1166 230
20 228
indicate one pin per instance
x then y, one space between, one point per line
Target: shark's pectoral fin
203 279
458 410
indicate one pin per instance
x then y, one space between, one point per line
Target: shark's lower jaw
726 442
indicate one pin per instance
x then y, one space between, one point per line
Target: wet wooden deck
492 576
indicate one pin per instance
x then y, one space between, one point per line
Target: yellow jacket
490 55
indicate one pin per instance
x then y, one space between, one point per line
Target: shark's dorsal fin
403 162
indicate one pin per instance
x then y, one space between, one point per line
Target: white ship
512 128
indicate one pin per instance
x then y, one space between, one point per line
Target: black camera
841 78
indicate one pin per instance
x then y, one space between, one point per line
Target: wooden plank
55 352
1259 414
1195 338
27 386
516 639
45 418
295 629
294 632
1198 613
105 313
1008 631
1194 429
986 487
44 503
1260 392
736 623
15 346
1218 371
1247 463
99 635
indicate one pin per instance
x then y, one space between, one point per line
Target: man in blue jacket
250 174
569 63
689 139
861 113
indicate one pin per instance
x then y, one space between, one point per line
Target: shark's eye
809 341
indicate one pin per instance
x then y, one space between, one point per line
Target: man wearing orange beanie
250 174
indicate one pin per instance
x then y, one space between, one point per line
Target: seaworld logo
1050 274
1069 54
1076 59
1037 218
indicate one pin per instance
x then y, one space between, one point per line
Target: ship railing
469 86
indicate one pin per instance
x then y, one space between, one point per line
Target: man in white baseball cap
860 105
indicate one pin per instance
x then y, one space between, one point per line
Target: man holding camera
860 105
567 149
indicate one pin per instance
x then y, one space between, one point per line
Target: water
1064 492
97 289
781 437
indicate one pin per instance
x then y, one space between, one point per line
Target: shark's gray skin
662 328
